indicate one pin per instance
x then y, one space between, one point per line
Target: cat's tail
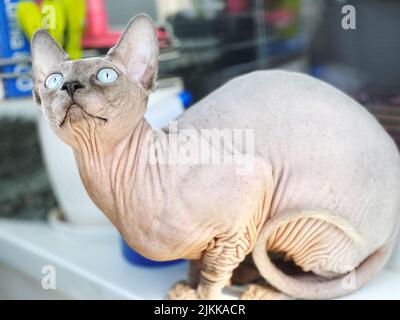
308 286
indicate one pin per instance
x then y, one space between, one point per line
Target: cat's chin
76 113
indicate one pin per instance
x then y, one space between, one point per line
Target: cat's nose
71 87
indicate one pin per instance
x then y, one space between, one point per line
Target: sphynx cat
321 190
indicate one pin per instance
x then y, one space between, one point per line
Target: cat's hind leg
325 246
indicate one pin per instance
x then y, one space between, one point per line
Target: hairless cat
322 192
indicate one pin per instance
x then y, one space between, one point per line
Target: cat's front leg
217 265
185 288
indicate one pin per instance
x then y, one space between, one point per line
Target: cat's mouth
75 109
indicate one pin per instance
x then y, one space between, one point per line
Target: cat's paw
182 291
260 292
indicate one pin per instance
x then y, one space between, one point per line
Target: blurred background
46 216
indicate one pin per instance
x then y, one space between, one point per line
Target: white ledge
89 265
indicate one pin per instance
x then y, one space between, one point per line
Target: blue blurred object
343 77
14 46
135 258
186 99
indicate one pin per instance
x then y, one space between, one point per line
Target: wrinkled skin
323 189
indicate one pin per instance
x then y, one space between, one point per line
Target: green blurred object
75 12
63 19
29 17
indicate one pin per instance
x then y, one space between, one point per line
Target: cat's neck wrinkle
124 183
90 150
125 158
132 176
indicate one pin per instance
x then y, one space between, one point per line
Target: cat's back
290 110
273 97
324 147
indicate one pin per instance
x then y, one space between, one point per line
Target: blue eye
54 81
107 75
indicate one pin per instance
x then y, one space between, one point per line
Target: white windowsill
89 265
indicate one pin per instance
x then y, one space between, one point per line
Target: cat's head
105 95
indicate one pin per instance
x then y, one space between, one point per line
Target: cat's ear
46 54
137 51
